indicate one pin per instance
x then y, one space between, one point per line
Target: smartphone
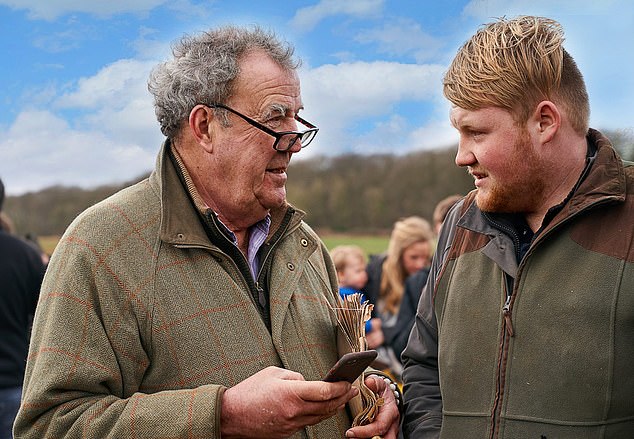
350 366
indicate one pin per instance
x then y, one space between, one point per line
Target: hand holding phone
350 366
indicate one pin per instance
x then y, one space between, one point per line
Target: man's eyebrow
462 124
277 109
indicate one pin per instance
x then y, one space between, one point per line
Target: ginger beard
518 187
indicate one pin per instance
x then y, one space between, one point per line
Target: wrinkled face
501 158
252 174
416 256
354 274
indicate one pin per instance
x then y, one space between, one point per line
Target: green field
371 244
48 243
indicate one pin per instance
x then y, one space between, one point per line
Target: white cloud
338 96
307 18
113 85
108 134
437 133
402 37
116 101
52 9
40 149
368 88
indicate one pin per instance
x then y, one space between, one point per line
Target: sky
75 110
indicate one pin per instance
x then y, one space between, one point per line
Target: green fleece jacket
555 360
143 321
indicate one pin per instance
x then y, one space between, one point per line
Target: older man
197 302
525 326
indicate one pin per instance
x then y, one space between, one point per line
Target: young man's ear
200 121
547 120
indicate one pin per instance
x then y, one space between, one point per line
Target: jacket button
304 243
290 266
180 236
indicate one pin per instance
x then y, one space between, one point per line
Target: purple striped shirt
257 235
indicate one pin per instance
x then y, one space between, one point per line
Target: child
350 262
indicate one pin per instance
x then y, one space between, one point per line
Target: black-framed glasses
284 140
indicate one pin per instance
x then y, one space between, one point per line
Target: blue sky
76 111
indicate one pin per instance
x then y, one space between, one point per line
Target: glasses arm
246 119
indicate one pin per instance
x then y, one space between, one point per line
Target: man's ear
200 123
547 120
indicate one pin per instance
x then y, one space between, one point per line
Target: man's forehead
464 117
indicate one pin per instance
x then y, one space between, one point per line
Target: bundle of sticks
352 313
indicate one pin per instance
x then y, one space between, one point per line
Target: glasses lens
307 137
286 141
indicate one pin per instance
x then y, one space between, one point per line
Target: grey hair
204 68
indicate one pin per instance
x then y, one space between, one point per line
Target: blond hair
515 64
406 232
342 254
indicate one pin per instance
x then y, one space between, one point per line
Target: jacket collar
604 183
181 222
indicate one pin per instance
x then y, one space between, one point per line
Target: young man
524 329
196 303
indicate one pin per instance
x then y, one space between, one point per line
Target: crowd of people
177 308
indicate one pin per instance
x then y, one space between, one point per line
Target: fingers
283 374
375 383
387 421
380 427
320 391
325 399
328 407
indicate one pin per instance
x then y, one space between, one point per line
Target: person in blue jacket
350 262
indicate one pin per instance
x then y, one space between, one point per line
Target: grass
371 244
48 243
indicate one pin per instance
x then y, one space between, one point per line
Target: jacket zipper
507 332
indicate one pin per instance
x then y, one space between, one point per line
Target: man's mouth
477 175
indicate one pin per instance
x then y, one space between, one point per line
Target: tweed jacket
551 358
143 322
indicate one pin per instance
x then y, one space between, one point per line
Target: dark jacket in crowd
21 273
407 312
395 336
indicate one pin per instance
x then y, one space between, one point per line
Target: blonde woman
409 251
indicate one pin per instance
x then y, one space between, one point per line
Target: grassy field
370 244
48 243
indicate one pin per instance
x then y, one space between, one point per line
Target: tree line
350 193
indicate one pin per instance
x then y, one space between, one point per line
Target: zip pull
507 317
261 297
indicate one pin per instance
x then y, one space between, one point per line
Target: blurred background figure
441 209
21 273
351 262
410 250
6 223
414 284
